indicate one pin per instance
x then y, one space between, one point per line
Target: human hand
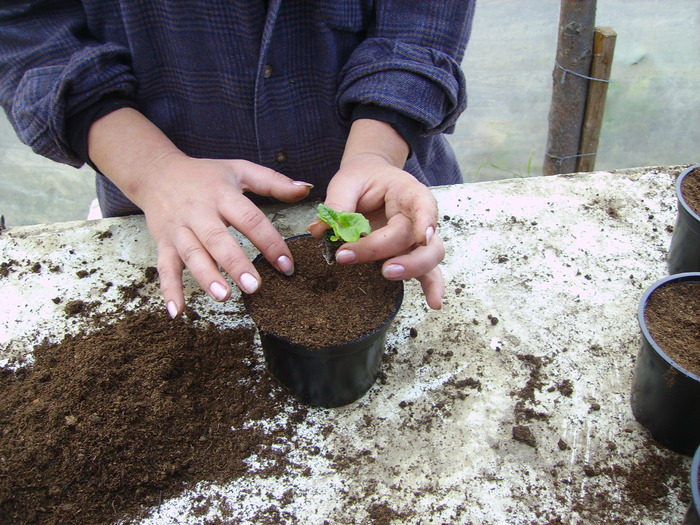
403 214
189 205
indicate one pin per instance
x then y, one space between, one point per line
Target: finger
342 196
418 262
317 227
419 205
201 264
270 183
433 285
249 220
170 274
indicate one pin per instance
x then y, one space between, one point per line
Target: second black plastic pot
665 397
684 253
692 517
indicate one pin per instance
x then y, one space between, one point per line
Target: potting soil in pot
321 304
691 190
673 318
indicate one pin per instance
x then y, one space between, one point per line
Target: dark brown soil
673 318
524 434
321 304
690 188
136 412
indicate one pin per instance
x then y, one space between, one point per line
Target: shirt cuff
408 128
78 126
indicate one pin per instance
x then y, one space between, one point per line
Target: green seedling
345 227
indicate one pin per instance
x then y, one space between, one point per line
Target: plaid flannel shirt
272 82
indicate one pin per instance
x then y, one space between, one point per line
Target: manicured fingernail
394 271
172 309
302 183
218 291
285 265
429 234
249 283
345 256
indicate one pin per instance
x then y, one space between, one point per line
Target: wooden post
603 51
570 85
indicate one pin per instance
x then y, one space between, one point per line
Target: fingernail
172 309
439 305
285 265
345 256
218 291
394 271
249 283
302 183
429 234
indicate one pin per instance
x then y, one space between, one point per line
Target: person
195 113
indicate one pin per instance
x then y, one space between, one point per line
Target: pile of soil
321 304
690 188
672 316
131 414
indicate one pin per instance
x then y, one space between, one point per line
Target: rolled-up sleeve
50 69
410 62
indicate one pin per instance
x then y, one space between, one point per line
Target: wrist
407 127
129 150
376 138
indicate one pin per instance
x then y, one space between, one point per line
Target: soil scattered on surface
672 316
130 415
649 483
136 401
321 303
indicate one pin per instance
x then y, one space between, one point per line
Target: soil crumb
524 434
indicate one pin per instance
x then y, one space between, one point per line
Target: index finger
250 221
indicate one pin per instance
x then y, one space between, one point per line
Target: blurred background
651 114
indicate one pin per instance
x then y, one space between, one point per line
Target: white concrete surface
561 262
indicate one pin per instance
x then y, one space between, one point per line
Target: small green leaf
347 226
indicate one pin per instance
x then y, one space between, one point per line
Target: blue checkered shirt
272 82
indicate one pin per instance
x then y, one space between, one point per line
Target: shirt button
280 157
267 71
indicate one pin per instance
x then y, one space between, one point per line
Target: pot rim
339 348
681 277
694 484
679 194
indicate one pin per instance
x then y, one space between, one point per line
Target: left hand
403 214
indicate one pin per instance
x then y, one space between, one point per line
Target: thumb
340 199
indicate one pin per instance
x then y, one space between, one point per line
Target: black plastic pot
666 397
331 376
692 517
684 253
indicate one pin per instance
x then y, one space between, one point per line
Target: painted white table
560 262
